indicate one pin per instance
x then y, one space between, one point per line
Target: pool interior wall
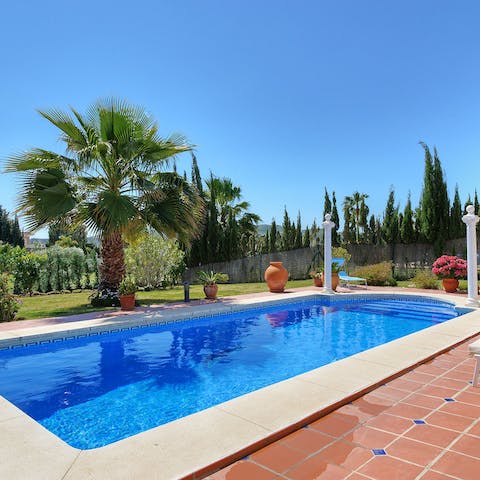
149 381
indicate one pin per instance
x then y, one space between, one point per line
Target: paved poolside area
422 425
336 446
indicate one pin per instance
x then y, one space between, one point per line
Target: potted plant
336 267
210 280
449 268
126 293
317 276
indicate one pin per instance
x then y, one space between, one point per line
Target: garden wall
299 262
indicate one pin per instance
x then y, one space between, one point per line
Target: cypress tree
314 233
457 227
266 243
475 203
286 242
442 206
427 200
17 237
390 220
327 204
372 231
347 234
407 229
306 237
196 177
336 219
298 232
273 237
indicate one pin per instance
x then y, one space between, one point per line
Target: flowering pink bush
449 266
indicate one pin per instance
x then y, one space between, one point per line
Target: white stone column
471 220
327 253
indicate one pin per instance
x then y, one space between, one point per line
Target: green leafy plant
377 274
127 286
9 305
425 279
211 277
336 267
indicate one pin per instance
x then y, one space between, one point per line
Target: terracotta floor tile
419 377
390 392
306 440
449 383
463 409
441 437
436 370
278 457
241 471
345 454
424 401
437 391
458 375
388 468
408 411
475 430
446 420
473 390
335 424
390 423
413 451
316 468
402 384
434 476
359 414
469 445
357 476
460 466
370 437
467 397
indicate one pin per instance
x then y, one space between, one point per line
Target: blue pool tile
419 422
379 451
449 399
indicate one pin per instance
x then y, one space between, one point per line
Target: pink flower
449 266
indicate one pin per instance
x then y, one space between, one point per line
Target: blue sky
284 97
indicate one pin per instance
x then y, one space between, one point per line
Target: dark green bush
9 305
378 274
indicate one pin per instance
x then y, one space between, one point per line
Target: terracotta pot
276 276
317 281
335 280
450 285
210 291
127 302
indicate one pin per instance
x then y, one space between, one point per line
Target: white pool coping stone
190 444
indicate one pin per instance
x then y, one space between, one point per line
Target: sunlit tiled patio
422 425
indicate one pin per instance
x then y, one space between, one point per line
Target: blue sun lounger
346 279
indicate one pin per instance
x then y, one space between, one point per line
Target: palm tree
356 205
113 178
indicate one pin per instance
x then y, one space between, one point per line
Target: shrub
154 261
9 306
377 274
425 279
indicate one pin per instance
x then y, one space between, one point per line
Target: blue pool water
95 390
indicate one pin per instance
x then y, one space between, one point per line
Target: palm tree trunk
112 268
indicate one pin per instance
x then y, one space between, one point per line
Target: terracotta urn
335 280
317 281
127 302
276 276
450 285
210 291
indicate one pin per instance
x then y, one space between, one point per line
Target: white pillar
471 220
327 254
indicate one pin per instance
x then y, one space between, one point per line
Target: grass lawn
41 306
55 305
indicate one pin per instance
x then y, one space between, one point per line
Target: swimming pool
95 390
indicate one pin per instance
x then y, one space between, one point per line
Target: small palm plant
210 280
